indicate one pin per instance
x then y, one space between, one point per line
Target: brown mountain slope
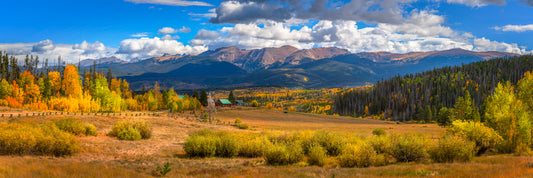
315 54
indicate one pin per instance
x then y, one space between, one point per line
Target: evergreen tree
203 98
196 94
445 117
231 97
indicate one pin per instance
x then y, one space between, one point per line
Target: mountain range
284 66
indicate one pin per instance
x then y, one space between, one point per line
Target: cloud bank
171 2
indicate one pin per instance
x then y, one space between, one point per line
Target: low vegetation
452 148
131 130
206 143
283 154
35 139
316 147
76 127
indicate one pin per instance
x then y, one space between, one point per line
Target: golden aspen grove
63 89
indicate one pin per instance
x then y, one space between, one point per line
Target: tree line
61 87
421 96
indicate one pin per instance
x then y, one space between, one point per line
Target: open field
273 120
104 156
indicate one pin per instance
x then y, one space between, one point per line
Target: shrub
242 126
164 170
283 154
238 120
76 127
227 146
71 125
317 156
253 147
522 150
206 143
379 132
142 127
361 155
452 148
33 139
254 103
382 144
484 137
90 130
200 146
59 142
129 134
333 142
408 147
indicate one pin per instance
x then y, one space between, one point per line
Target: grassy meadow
107 156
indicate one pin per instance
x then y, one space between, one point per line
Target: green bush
382 144
200 146
142 127
408 147
242 126
379 132
254 103
333 142
33 139
71 125
361 155
206 143
253 147
227 146
129 134
317 155
90 130
238 120
484 137
452 148
283 154
76 127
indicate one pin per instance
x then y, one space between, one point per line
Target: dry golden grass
263 119
104 156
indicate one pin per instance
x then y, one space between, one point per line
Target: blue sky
129 28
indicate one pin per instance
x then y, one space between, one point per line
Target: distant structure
239 102
211 108
224 103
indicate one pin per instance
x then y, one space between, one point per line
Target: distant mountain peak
105 60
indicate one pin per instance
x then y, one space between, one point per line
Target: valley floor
104 156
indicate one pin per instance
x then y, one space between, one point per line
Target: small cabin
239 102
223 103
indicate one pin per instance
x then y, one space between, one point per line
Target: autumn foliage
63 89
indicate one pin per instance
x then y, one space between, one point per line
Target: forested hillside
42 87
421 96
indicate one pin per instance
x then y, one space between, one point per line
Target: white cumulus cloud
48 49
154 47
483 44
515 28
167 30
143 34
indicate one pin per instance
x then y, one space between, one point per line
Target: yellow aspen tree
115 85
71 82
55 80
